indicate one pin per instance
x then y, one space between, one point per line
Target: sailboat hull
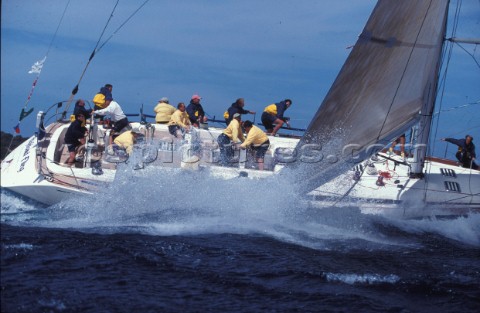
381 185
20 175
37 169
385 186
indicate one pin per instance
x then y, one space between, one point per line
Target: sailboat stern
20 175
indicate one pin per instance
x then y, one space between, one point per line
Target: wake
174 202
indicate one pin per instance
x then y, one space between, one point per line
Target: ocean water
184 243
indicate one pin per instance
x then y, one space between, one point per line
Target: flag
37 67
24 114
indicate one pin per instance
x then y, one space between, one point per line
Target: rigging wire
465 130
75 89
470 54
125 22
447 53
40 65
461 132
443 86
46 54
98 48
463 106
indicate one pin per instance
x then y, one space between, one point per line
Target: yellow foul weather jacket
126 141
255 137
234 131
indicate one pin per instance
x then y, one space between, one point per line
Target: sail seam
404 71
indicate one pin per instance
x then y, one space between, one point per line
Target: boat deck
157 147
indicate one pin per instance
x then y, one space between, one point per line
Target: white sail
386 85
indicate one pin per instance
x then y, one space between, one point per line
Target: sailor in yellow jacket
272 116
164 111
257 141
126 140
179 122
231 135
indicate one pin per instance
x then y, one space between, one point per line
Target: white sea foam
368 279
53 304
177 202
13 206
19 246
464 229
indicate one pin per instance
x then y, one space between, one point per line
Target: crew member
236 107
163 111
273 115
179 122
231 135
257 141
466 151
195 111
75 137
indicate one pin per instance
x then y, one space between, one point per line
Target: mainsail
386 85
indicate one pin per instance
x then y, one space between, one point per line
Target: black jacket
74 132
234 108
462 144
81 109
195 111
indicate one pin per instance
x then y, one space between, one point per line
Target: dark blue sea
181 244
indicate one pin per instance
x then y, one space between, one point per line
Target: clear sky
263 51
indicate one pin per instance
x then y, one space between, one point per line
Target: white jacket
114 110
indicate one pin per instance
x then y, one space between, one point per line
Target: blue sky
263 51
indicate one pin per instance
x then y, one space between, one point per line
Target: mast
426 113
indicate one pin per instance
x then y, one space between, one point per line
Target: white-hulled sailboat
388 85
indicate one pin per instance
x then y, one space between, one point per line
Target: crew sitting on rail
230 136
195 111
163 111
236 107
257 141
273 115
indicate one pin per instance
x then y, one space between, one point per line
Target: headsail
387 83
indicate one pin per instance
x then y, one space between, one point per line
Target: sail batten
384 84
